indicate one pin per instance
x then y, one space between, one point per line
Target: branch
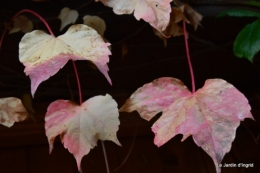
250 133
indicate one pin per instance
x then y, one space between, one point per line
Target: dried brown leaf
193 16
11 111
96 23
183 12
22 23
173 29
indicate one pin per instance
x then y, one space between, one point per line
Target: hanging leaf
157 12
96 23
247 43
211 115
67 17
43 55
11 111
21 23
173 29
80 127
178 15
193 16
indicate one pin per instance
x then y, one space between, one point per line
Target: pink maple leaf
80 127
43 55
155 12
11 111
211 115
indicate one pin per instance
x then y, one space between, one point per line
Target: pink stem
37 15
78 81
188 57
74 65
130 150
32 12
105 155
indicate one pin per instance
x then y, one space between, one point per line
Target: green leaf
247 43
239 13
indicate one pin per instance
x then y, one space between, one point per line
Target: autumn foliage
210 115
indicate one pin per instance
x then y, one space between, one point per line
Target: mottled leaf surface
11 111
43 55
211 115
155 97
155 12
80 127
98 24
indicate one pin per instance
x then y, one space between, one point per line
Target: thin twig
48 90
201 40
132 35
251 134
17 90
105 155
131 148
84 5
71 93
2 38
78 81
258 137
199 52
12 71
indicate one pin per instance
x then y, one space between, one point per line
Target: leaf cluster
210 115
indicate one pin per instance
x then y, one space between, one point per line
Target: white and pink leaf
155 12
211 115
44 55
81 126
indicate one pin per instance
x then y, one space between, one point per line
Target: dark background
24 147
